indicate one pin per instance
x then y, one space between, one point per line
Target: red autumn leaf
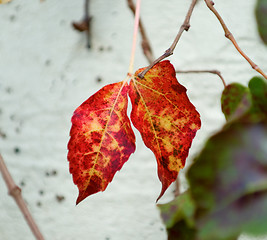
165 117
101 139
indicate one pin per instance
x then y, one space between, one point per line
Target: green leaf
247 214
229 181
178 216
258 89
261 17
182 207
181 231
235 101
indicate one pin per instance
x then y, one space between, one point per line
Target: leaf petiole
136 24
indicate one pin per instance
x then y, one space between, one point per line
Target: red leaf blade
102 139
165 117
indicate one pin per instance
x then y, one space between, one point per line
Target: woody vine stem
230 36
147 49
15 192
185 27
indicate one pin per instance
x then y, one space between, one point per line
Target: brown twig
205 71
185 27
15 192
88 20
84 25
230 36
145 42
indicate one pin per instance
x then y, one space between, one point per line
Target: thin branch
15 192
84 25
185 27
147 50
87 19
205 71
230 36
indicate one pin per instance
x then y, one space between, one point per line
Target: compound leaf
165 117
101 139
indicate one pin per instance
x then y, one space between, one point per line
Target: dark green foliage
236 100
229 181
261 17
181 207
258 89
178 216
227 192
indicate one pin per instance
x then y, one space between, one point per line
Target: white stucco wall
46 72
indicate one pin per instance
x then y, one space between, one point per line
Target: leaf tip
80 198
164 188
84 194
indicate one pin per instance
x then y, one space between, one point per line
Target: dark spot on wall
39 204
98 79
101 49
22 183
2 134
41 192
12 117
17 130
12 18
17 150
18 8
9 90
60 198
48 62
51 173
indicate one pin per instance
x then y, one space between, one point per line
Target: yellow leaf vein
105 132
175 126
157 92
149 116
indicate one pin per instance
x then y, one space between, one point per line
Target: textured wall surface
46 72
